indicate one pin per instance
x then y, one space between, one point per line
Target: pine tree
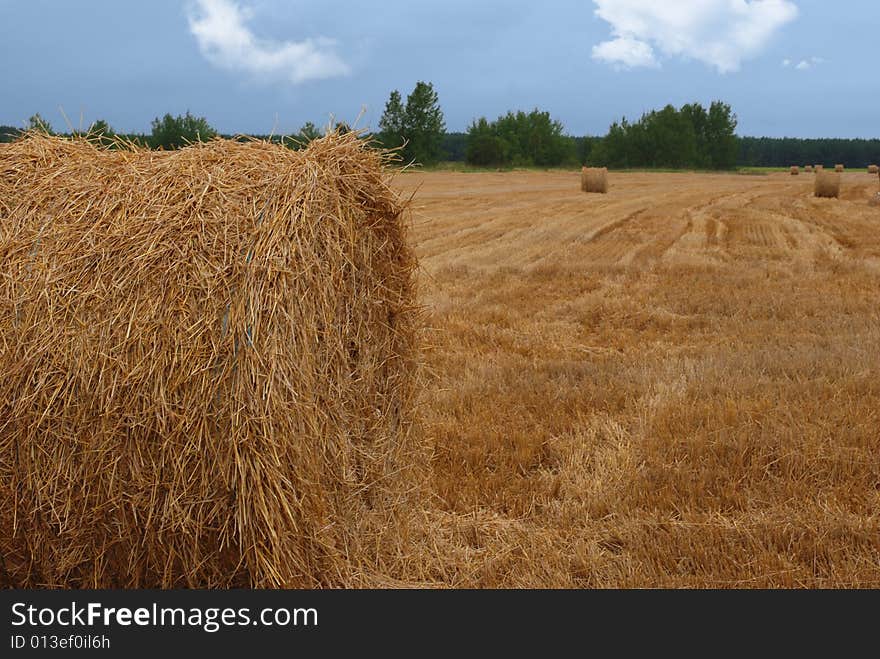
423 125
391 125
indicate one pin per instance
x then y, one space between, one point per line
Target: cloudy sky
802 68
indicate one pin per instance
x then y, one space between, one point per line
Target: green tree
391 125
782 152
9 134
455 146
176 132
520 138
101 132
689 137
423 125
417 128
484 147
698 117
36 122
309 132
667 139
723 146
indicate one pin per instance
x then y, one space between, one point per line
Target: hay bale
819 168
795 170
873 169
207 360
808 169
838 168
594 179
827 184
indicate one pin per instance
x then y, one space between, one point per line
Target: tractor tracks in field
644 220
795 228
752 224
646 235
610 242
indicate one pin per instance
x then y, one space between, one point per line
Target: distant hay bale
838 168
207 362
594 179
795 170
808 169
819 168
873 169
827 184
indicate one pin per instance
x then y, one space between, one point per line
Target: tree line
168 132
522 138
781 152
689 137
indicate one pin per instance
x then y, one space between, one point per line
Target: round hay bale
827 184
819 168
808 169
594 179
873 169
795 170
838 168
207 360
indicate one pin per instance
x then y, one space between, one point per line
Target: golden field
676 384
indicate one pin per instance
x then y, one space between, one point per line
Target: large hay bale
206 360
808 169
795 170
873 169
594 179
827 184
838 168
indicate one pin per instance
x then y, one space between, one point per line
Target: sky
798 68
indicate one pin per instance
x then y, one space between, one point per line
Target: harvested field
672 385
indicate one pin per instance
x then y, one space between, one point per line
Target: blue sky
801 68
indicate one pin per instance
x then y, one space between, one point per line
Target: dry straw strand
209 360
827 184
594 179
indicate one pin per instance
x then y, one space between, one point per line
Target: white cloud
804 64
220 28
720 33
626 52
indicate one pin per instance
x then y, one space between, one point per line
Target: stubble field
673 385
